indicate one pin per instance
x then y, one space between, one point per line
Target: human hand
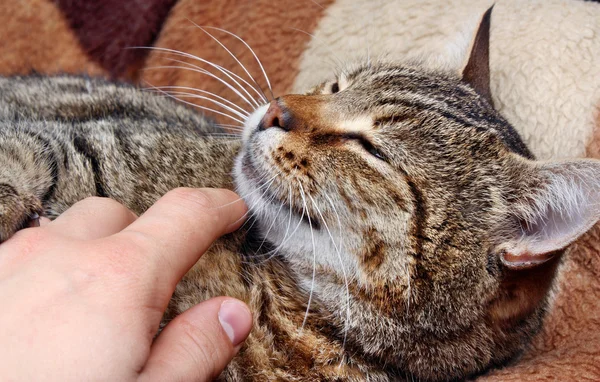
82 296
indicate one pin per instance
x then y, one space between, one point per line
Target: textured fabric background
545 64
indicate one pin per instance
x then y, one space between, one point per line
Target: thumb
199 343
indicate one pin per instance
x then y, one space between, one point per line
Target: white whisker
312 236
269 229
269 255
206 92
266 184
226 125
226 72
196 96
218 135
251 51
194 105
259 200
339 255
313 1
262 95
197 69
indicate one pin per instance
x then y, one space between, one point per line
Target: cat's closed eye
366 145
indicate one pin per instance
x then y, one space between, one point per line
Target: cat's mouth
302 213
263 188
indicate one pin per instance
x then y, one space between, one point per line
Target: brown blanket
95 37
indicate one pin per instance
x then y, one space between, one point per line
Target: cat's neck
291 336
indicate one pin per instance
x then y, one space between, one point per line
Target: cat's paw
16 210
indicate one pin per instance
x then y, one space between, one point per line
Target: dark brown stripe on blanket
36 37
107 28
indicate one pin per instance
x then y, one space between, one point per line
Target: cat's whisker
205 92
236 132
242 197
206 72
269 229
197 106
236 128
259 200
222 135
263 95
312 237
230 127
338 251
233 130
251 51
269 255
287 229
223 70
226 72
316 3
227 125
196 96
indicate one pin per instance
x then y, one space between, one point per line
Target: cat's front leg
26 175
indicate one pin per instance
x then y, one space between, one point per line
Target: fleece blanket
545 73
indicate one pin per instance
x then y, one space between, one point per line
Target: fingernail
236 320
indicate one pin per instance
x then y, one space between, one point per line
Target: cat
400 229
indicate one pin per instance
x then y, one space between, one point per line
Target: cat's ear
476 72
562 205
559 202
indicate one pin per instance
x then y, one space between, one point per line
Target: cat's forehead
386 77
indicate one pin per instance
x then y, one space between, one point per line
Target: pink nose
276 116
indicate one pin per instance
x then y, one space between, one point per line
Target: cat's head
410 197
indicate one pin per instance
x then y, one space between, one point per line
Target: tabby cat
400 229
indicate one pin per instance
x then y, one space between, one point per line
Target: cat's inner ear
476 72
553 213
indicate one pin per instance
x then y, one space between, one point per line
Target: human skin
82 296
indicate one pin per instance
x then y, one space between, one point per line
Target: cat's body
403 208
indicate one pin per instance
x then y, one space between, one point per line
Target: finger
92 218
199 343
178 228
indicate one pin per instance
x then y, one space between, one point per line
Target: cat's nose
276 116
